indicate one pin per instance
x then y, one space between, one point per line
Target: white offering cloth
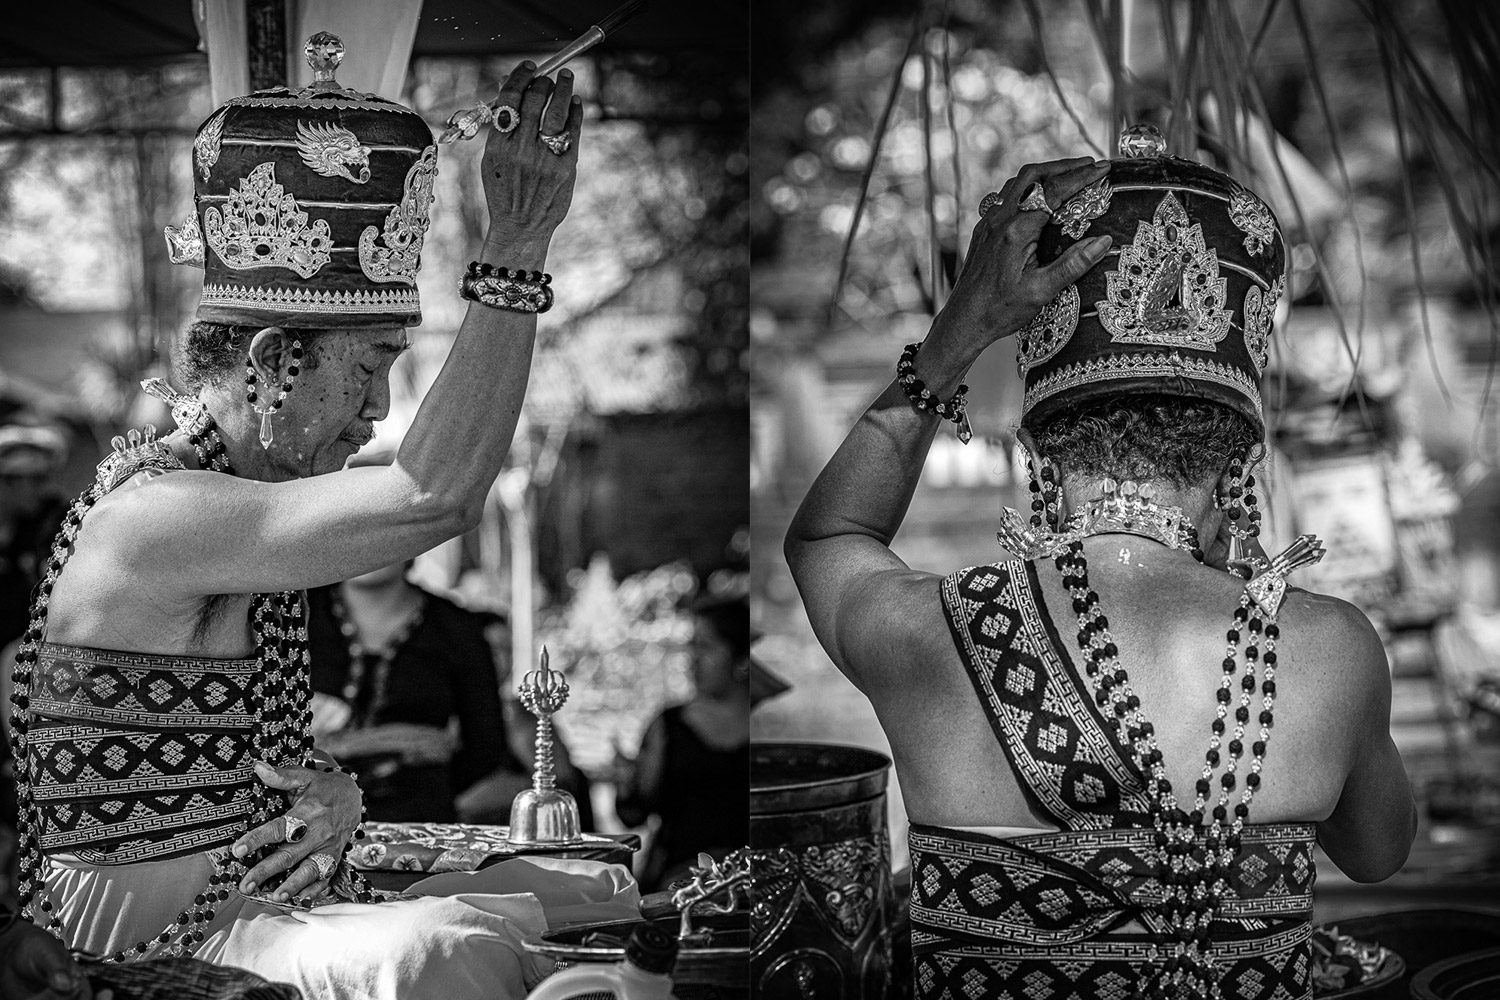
452 937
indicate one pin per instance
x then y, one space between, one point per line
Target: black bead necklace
283 698
385 658
1194 863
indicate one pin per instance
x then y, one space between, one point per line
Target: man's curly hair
1147 437
208 353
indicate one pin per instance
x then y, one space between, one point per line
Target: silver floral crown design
1166 289
261 226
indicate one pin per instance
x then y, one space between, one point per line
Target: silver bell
544 815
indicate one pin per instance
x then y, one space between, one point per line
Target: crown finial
1140 141
324 52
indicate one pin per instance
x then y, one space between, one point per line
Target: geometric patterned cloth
1054 916
139 757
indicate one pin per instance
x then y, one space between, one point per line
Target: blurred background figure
692 768
31 509
407 691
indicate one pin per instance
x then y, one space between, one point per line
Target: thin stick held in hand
466 124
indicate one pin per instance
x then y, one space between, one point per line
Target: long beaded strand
1194 879
284 717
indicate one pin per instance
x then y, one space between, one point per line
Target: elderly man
171 798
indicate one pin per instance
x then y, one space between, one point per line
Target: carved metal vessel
821 863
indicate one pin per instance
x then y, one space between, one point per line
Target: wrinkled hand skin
329 802
528 188
1001 286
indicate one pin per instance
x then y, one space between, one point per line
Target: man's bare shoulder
1336 638
898 620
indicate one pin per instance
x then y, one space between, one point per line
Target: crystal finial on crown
1140 141
324 52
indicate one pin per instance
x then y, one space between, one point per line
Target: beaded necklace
386 657
282 693
1194 861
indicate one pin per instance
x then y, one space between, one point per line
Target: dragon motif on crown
330 150
1082 209
1166 288
261 226
1260 311
406 225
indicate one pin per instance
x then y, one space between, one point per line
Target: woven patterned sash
1058 915
139 757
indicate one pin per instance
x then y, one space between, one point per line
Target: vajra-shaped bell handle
544 691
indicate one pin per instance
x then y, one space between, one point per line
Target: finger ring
326 864
558 144
296 829
506 119
989 201
1035 199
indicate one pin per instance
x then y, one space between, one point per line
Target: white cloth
454 936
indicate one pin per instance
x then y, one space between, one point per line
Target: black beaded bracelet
501 288
923 400
479 269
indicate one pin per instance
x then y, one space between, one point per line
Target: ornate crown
310 205
1185 306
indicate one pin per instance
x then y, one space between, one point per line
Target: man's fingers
1066 184
288 779
556 118
515 85
279 861
301 877
534 100
1073 263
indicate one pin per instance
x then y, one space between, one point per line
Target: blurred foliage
1364 122
625 650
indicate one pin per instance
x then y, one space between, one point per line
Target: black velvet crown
310 205
1182 305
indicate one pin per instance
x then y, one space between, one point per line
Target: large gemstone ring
1035 199
558 144
506 119
296 829
326 863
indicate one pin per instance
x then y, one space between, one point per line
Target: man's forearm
458 442
868 485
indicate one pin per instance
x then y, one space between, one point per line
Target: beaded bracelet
923 400
517 290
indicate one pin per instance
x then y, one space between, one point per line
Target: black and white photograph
760 500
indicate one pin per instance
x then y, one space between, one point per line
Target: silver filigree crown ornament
544 815
1182 305
310 205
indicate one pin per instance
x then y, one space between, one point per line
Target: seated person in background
407 692
31 511
693 768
